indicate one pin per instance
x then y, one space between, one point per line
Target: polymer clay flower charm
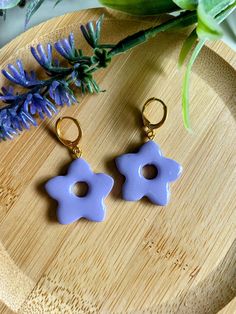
136 185
72 207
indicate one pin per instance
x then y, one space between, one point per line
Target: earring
70 206
136 185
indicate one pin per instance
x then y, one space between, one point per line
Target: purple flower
61 93
27 119
12 122
43 58
136 185
8 94
66 48
15 121
91 34
6 128
46 60
72 207
20 76
37 104
76 79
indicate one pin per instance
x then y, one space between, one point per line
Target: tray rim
217 47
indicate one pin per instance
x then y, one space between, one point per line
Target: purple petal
59 48
72 40
42 53
9 76
159 195
21 68
66 46
14 72
49 49
150 150
57 98
171 169
35 55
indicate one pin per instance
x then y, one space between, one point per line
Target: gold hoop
72 145
150 127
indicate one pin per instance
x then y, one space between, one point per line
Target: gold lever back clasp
72 145
151 127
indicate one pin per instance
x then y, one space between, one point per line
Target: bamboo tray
143 258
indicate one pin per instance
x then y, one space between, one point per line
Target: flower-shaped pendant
72 207
136 185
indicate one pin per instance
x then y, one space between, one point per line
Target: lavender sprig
42 97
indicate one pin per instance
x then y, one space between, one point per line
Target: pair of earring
91 206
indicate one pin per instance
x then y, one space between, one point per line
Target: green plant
209 13
40 98
204 15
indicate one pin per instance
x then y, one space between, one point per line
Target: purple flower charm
72 207
136 185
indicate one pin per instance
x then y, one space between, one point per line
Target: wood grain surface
143 258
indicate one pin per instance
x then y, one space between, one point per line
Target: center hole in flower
80 189
149 172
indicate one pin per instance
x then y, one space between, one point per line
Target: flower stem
138 38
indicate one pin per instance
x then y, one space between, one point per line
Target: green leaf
186 83
207 27
187 46
207 10
3 14
214 7
32 7
58 1
224 14
8 4
142 7
186 4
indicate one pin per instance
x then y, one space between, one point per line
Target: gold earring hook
150 127
72 145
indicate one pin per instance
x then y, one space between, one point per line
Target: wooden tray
143 258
